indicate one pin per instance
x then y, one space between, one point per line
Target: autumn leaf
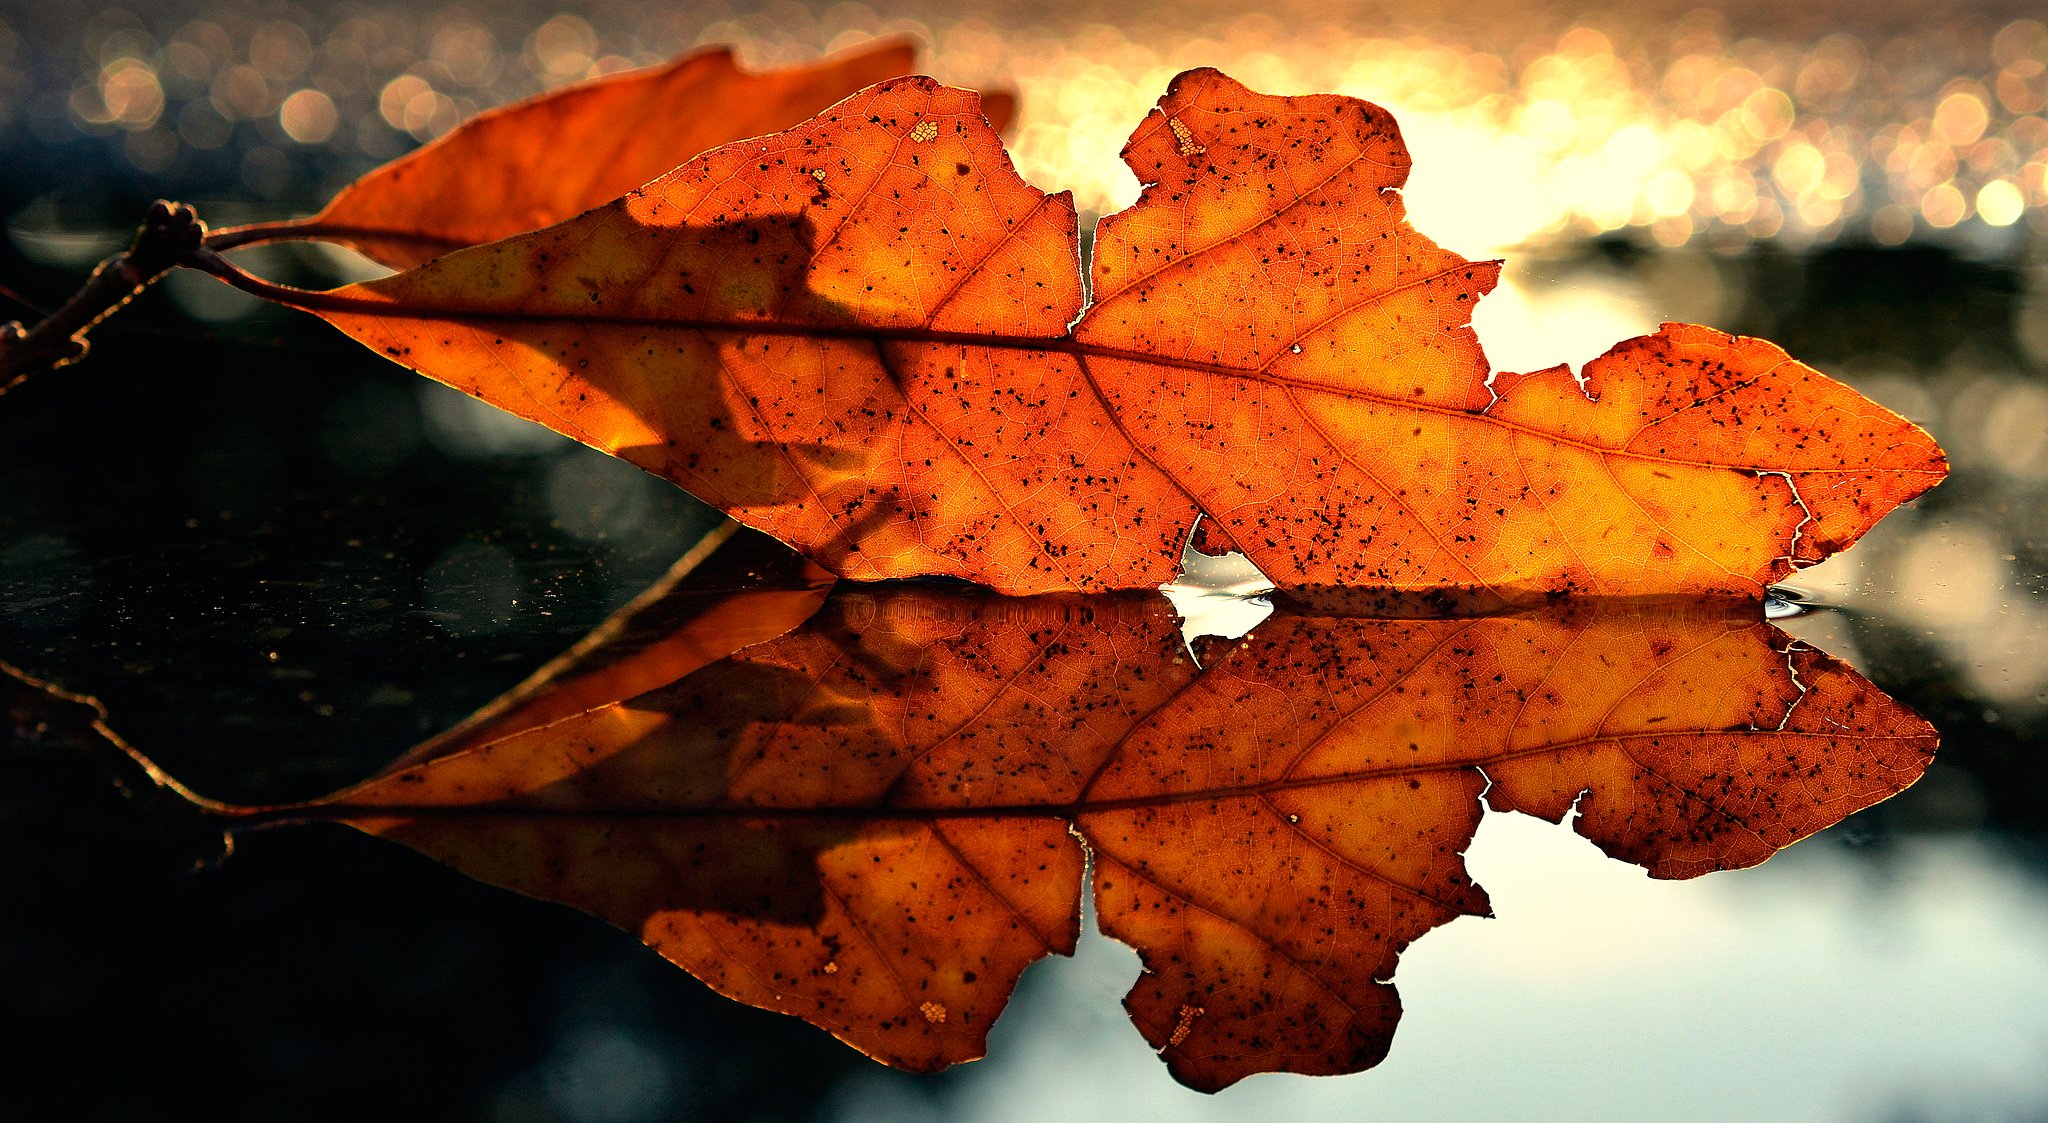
554 156
854 335
875 822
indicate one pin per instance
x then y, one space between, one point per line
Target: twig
170 234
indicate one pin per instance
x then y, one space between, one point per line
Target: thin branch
167 238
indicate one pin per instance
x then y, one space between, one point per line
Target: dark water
280 562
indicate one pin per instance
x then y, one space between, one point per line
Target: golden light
562 49
243 93
1962 116
1943 206
2000 203
1524 130
131 93
308 116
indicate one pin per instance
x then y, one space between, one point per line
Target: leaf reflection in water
876 819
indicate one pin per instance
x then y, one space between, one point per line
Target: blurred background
281 562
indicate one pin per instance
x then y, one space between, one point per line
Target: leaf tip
1200 77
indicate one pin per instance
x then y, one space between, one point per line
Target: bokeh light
1527 128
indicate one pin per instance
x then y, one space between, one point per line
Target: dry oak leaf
554 156
875 822
854 335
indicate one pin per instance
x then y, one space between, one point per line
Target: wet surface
781 790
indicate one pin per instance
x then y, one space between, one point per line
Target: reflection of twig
8 292
42 712
170 234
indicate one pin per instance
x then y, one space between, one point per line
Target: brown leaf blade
756 326
554 156
874 821
854 335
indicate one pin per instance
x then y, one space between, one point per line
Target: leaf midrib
1074 810
341 302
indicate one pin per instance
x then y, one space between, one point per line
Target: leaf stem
257 233
207 259
313 230
167 236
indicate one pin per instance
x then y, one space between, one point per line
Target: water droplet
1782 602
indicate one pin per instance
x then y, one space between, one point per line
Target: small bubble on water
1782 602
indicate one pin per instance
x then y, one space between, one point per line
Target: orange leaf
557 155
875 822
854 335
